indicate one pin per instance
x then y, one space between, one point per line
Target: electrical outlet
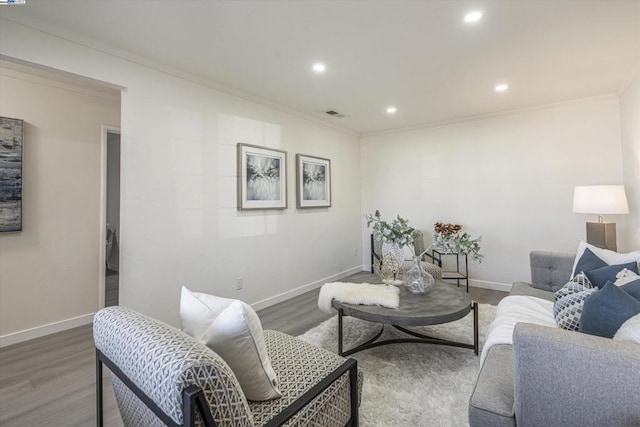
239 283
355 252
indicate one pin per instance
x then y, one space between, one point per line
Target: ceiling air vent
335 114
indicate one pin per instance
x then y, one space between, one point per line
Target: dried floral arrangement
447 238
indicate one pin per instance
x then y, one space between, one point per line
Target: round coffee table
443 304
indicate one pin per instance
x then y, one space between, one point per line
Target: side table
456 274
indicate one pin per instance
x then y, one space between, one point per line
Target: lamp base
602 235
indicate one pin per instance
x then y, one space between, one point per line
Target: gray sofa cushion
550 270
522 288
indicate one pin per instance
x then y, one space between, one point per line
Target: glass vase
416 280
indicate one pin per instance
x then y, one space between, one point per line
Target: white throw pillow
630 330
610 257
408 252
232 329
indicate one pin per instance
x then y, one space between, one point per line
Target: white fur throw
358 293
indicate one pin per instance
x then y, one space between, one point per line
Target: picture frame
313 182
11 148
262 177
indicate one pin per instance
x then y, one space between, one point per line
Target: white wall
49 272
630 135
179 223
508 178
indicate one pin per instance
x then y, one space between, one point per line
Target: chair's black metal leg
340 314
371 239
99 407
353 382
466 270
475 327
193 399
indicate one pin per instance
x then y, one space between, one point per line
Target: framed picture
262 178
313 179
11 133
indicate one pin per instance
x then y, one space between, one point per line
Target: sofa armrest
550 270
491 402
573 379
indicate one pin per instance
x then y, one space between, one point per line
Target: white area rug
411 384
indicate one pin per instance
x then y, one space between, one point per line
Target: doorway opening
112 216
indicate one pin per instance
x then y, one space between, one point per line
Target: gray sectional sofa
554 377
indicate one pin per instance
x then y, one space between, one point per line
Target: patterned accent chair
418 248
161 376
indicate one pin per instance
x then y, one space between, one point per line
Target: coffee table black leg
475 327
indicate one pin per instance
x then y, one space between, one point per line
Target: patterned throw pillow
569 302
579 283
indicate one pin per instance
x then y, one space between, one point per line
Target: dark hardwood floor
51 380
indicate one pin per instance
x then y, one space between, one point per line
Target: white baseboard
40 331
490 285
267 302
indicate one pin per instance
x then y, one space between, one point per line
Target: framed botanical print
262 178
313 182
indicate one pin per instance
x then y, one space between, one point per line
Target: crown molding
489 115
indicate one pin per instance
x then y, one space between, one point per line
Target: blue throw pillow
632 288
606 310
600 276
589 261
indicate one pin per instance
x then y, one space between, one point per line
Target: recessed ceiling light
391 110
319 68
502 87
472 16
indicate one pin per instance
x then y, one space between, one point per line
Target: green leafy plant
447 238
398 231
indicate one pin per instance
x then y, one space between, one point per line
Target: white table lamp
600 200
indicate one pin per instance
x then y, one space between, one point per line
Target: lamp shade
600 199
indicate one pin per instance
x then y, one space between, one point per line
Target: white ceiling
416 55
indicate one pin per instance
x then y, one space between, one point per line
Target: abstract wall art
11 136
